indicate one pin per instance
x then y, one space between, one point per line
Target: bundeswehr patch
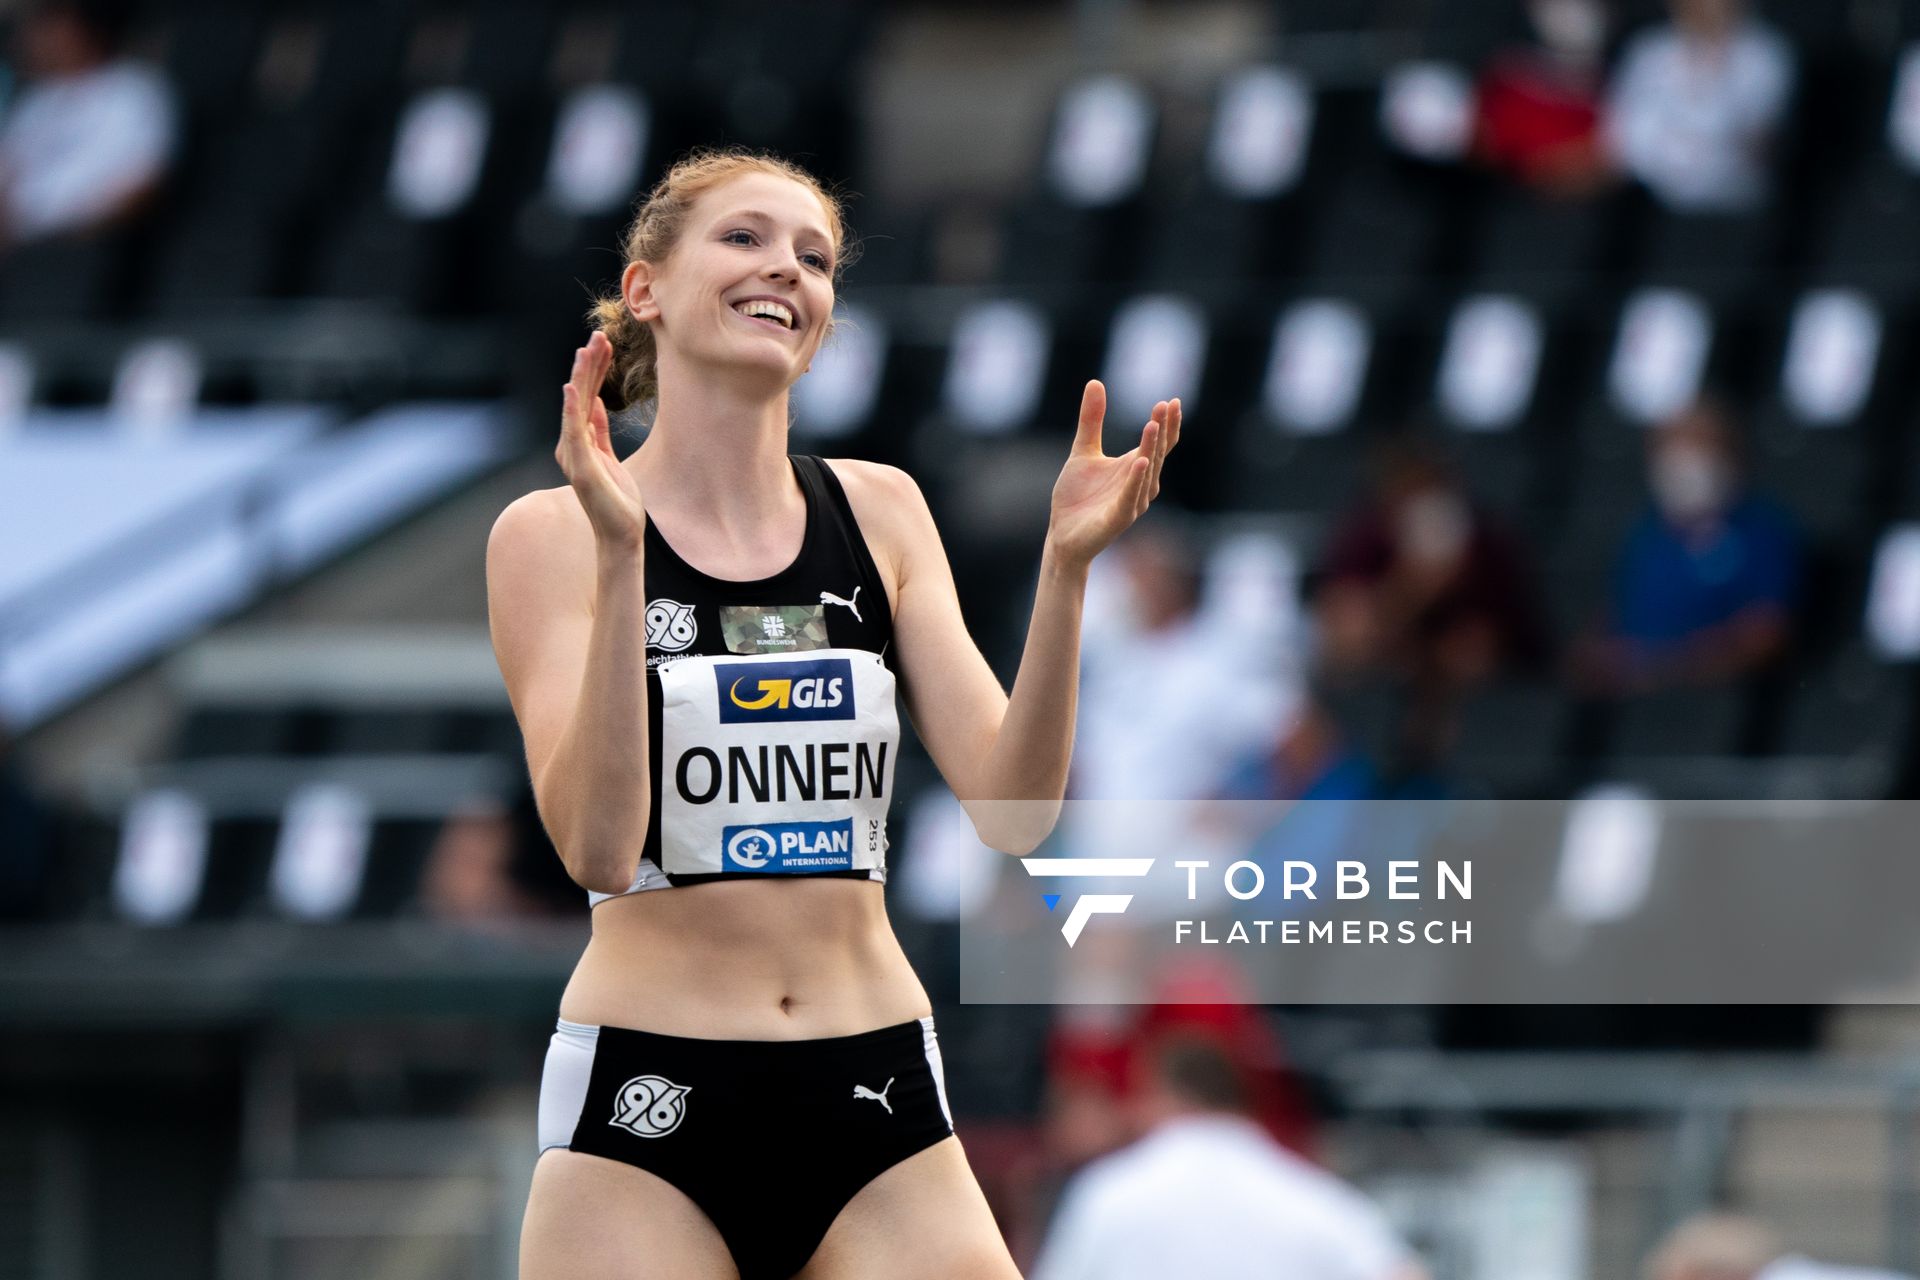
784 628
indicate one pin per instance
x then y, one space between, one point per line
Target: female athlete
701 644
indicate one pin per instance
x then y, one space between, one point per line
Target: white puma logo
861 1091
827 597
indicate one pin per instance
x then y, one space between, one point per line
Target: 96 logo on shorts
770 692
650 1106
776 847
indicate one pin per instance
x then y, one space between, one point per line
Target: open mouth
767 321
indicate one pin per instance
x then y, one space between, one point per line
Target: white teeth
762 307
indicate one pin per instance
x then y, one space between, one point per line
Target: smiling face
754 243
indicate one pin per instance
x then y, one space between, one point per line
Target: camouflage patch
786 628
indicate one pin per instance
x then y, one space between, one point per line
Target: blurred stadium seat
372 255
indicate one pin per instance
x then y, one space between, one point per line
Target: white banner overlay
1614 897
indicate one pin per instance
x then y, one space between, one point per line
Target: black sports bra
770 710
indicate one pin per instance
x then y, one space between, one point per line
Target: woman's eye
818 260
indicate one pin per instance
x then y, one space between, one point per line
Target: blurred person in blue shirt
1312 760
89 132
1707 581
1315 765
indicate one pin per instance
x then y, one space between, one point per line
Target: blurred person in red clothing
1205 1191
1424 589
1422 583
1097 1061
1538 106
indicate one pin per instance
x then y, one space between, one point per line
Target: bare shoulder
543 536
887 493
891 510
542 513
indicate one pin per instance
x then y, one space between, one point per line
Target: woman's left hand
1097 497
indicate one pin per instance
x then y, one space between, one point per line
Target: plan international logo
1088 905
789 846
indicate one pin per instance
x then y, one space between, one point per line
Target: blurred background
1549 401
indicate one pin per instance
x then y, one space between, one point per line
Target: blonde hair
657 227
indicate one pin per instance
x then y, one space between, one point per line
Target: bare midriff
784 959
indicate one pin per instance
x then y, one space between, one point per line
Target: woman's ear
636 287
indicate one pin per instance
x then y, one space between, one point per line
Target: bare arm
953 698
573 651
993 748
1029 756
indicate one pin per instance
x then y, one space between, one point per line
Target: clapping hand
605 488
1097 497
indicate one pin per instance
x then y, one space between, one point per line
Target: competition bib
776 763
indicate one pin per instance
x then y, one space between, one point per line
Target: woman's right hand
605 488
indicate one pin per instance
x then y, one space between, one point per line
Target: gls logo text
1092 904
758 692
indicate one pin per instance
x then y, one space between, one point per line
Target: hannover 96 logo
650 1106
670 624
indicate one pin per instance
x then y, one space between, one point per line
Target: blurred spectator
1089 1064
1722 1246
1537 107
1707 581
467 876
491 861
90 132
1312 761
1423 585
24 838
1696 103
1206 1192
1170 696
1098 1059
1210 1000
